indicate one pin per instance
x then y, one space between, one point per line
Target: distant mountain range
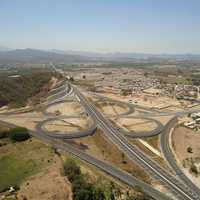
35 56
4 49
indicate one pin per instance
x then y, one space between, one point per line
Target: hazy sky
150 26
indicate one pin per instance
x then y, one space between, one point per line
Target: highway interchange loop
91 130
65 135
142 134
174 185
179 186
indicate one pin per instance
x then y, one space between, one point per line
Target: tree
72 170
189 150
18 134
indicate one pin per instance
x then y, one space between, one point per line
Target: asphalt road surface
169 156
134 153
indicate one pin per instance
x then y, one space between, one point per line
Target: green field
9 198
13 171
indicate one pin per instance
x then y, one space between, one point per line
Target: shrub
3 134
82 188
71 170
18 134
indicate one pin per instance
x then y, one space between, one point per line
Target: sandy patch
136 124
182 138
48 185
110 108
73 124
28 120
66 108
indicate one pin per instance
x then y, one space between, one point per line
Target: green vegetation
20 160
16 91
16 134
195 78
84 188
13 171
9 198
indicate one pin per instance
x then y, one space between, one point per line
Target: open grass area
18 161
13 171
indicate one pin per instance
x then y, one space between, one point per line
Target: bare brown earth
65 125
66 108
136 124
47 185
182 138
99 147
47 181
110 108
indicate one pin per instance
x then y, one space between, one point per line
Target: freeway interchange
179 185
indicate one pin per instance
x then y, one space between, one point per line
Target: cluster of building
186 92
123 80
194 123
130 81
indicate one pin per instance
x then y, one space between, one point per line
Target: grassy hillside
16 91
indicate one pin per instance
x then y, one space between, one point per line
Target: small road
169 155
143 134
65 135
182 191
104 166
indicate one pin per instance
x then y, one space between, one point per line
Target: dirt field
136 124
109 108
99 147
28 120
73 124
182 138
47 185
67 108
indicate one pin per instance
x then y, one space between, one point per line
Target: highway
65 135
152 112
104 166
181 190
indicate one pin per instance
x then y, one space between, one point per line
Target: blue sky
149 26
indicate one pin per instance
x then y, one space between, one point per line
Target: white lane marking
131 150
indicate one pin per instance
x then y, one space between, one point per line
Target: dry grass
112 154
156 158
